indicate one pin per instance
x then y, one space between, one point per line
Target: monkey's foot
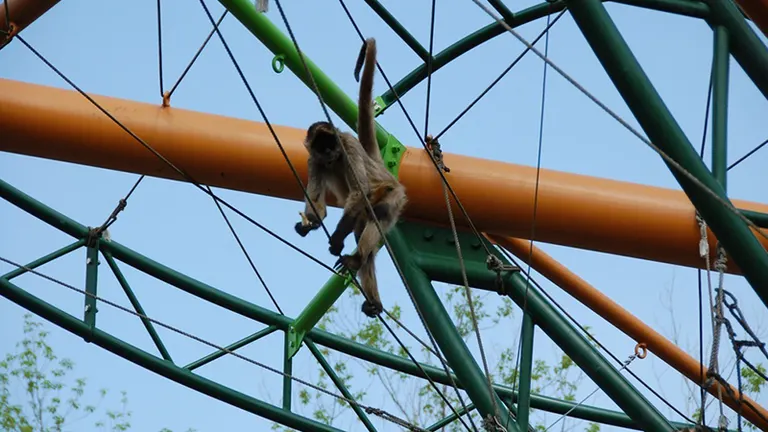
372 309
349 262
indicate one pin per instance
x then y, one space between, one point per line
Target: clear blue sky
109 48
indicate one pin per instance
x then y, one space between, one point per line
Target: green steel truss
426 253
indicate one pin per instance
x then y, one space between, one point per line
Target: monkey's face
322 144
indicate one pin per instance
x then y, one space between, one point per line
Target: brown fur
338 170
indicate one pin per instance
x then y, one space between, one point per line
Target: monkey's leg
372 305
366 247
343 229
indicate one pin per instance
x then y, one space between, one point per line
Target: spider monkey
338 170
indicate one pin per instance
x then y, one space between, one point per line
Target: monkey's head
322 144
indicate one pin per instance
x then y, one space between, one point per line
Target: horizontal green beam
266 316
759 219
155 364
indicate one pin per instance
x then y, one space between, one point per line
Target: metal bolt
428 235
451 241
476 244
395 149
391 164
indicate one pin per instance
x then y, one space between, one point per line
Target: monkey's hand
372 309
308 223
335 244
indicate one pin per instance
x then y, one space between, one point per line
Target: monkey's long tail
366 131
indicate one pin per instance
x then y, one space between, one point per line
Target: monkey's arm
316 189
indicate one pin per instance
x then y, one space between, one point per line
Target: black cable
503 74
197 54
247 255
702 390
160 48
184 174
263 114
518 355
430 59
743 158
369 207
597 341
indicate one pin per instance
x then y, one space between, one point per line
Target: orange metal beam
757 11
626 322
22 13
575 210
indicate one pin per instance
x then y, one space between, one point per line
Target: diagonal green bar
502 9
266 316
272 38
430 255
662 129
745 45
339 384
720 59
231 348
44 260
137 306
398 28
155 364
450 418
447 336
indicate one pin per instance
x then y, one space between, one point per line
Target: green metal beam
447 337
398 28
720 59
419 74
663 130
231 348
760 219
288 371
526 371
44 260
694 9
451 418
155 364
339 384
745 45
429 248
91 281
137 307
464 45
263 315
272 38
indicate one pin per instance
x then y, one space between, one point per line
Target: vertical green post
447 337
288 370
720 59
526 371
91 280
662 129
